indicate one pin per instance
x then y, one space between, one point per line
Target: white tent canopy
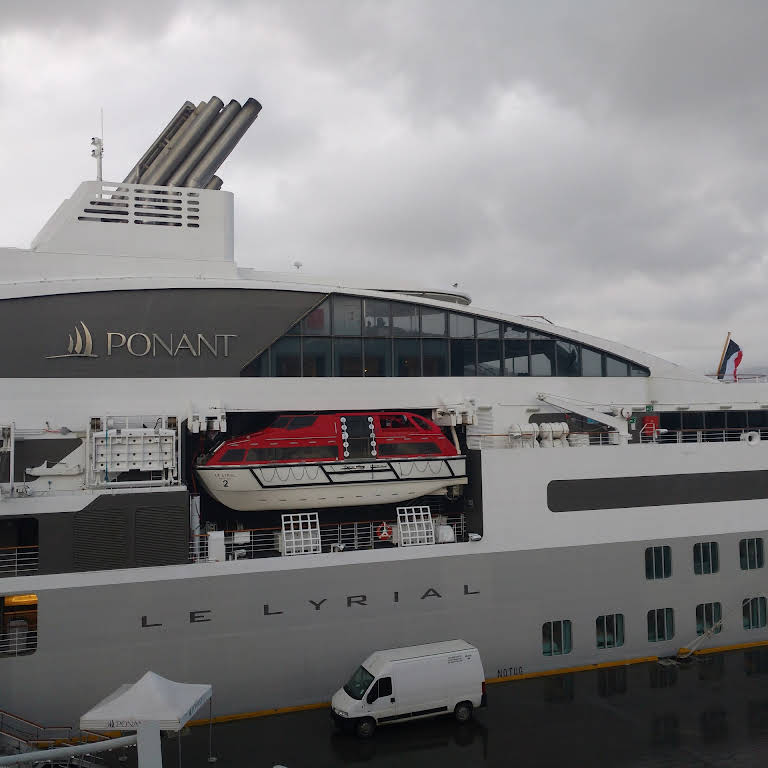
151 701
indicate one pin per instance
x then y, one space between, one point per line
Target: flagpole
722 356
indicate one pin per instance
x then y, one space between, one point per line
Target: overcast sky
600 163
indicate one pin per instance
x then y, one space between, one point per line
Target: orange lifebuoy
384 532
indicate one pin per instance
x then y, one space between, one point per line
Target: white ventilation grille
134 204
414 526
301 534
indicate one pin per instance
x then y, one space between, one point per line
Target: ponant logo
80 346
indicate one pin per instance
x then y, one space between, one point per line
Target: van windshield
358 683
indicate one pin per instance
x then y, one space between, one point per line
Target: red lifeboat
369 458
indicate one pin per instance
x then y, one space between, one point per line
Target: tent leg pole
179 737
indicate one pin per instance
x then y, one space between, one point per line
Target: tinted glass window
489 357
407 357
295 330
405 319
463 357
568 363
395 421
693 420
317 357
433 322
300 452
638 370
714 419
487 329
234 454
461 326
515 332
348 354
347 316
385 686
435 353
736 419
378 357
318 321
281 421
261 454
515 357
758 419
376 320
258 367
615 367
285 357
591 362
423 423
408 449
542 357
299 422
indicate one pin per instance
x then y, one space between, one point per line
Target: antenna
98 147
297 265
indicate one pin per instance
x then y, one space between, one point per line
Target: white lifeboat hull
330 484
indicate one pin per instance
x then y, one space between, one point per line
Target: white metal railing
27 733
18 643
18 561
743 378
667 436
334 537
603 437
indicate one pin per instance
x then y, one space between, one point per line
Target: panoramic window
706 557
610 630
658 562
233 455
556 637
661 625
408 449
753 611
751 554
708 618
352 336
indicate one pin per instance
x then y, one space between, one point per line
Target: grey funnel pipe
218 153
214 183
224 118
166 135
161 171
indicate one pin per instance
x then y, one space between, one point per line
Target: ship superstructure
583 502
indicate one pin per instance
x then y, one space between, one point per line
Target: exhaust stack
193 145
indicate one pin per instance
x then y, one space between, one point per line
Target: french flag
730 362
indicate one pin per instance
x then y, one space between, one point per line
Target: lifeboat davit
306 461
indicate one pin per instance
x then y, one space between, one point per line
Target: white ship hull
330 484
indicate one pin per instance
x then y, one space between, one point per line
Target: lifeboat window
396 421
232 455
281 422
18 625
297 452
408 449
423 423
299 422
261 454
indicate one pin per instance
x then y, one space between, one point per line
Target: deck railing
20 642
18 561
334 537
666 436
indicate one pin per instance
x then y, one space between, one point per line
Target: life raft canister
384 532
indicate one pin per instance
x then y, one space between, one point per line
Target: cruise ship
581 503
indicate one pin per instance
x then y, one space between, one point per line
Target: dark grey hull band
656 491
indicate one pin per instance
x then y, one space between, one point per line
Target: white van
410 683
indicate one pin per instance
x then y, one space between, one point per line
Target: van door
380 700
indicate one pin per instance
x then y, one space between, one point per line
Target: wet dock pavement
712 711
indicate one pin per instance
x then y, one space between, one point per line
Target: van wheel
364 728
463 711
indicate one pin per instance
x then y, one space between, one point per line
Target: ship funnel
197 140
218 153
222 120
177 150
166 135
